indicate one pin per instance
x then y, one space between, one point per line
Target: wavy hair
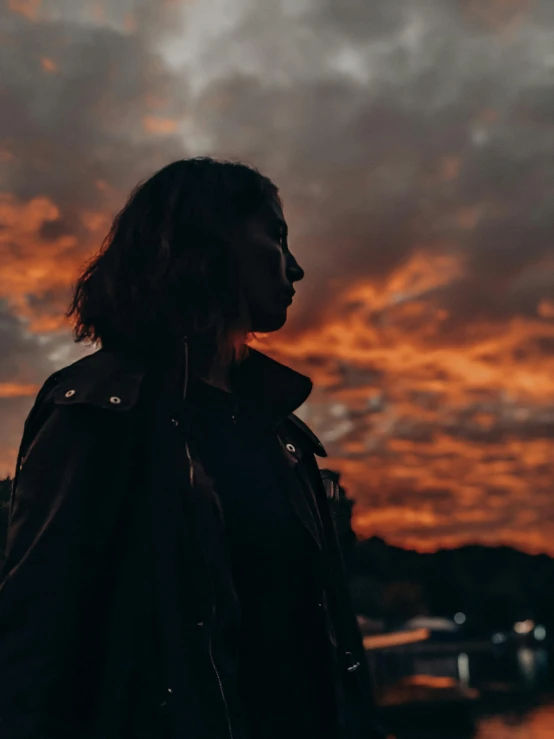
165 269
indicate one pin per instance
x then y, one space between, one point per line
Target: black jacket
105 592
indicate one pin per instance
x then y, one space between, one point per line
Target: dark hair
165 269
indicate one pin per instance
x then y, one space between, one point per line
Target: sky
413 145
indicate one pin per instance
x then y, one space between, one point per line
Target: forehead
263 222
270 211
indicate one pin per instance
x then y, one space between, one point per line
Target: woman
172 567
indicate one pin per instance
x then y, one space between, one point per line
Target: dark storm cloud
82 89
82 123
383 121
22 358
24 363
391 126
353 108
77 96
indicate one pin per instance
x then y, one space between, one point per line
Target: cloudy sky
413 144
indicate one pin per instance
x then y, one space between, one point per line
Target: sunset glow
413 148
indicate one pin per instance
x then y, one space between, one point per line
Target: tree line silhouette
493 586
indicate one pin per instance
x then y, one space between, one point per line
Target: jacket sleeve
67 498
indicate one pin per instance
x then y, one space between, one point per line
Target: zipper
185 387
191 479
191 470
218 676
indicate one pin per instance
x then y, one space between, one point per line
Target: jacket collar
265 386
270 389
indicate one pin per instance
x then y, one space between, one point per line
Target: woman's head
198 250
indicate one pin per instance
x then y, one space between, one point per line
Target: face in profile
267 269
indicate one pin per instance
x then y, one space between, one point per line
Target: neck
219 377
220 371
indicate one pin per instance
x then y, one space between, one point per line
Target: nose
294 270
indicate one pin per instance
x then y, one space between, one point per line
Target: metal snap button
115 400
200 623
174 421
291 447
353 665
69 393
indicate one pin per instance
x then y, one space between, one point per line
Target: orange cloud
425 229
499 15
28 8
440 441
450 167
15 390
98 12
130 23
96 221
32 265
156 125
546 308
468 218
48 65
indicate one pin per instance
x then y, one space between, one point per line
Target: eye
279 234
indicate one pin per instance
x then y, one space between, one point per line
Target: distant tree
403 600
368 596
5 492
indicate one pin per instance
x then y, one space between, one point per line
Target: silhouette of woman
172 567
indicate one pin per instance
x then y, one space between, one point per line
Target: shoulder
99 379
94 384
86 402
304 435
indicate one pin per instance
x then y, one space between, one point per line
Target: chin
268 324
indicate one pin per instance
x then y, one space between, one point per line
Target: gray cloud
72 130
390 126
354 108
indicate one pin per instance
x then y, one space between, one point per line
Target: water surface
536 724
